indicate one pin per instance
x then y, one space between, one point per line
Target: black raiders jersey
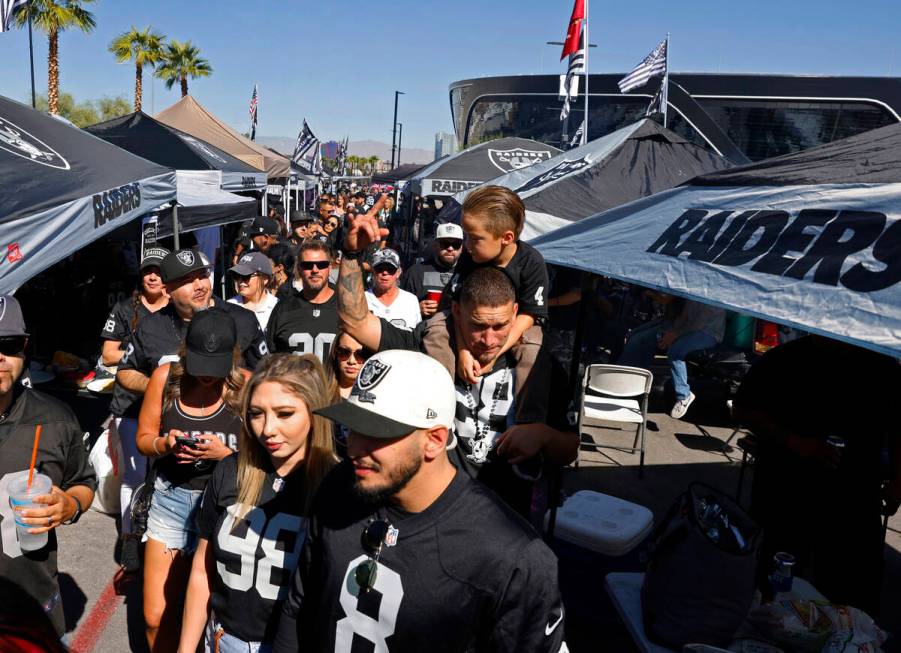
302 327
63 457
254 559
465 574
118 326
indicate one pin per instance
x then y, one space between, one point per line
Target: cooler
602 523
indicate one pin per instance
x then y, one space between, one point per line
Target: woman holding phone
189 421
252 522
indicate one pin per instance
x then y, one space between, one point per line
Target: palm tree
53 17
180 61
145 47
372 162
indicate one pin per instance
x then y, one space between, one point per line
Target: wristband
155 440
78 510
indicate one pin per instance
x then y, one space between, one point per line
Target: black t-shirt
159 336
63 457
118 326
465 574
224 424
255 560
299 326
426 276
527 272
563 280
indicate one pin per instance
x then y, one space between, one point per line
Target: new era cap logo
430 414
186 257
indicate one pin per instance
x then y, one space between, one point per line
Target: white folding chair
615 393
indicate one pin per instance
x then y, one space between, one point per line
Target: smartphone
186 441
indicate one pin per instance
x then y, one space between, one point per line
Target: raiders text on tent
110 204
822 238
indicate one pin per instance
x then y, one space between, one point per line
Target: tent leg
175 226
222 257
266 201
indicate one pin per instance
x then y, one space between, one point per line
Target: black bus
741 116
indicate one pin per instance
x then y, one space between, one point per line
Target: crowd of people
347 452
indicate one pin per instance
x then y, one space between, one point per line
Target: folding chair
611 393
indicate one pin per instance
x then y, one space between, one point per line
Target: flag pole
34 104
587 48
664 93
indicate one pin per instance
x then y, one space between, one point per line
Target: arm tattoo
352 306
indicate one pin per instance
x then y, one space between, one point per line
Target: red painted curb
88 633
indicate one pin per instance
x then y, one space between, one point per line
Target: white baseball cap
396 393
449 230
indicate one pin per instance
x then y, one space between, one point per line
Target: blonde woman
253 519
253 277
189 421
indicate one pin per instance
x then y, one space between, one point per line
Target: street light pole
394 130
400 138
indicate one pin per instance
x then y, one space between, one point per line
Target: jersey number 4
259 572
303 343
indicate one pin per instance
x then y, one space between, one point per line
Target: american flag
576 66
305 151
653 65
254 100
7 8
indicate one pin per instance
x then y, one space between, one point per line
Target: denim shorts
229 643
171 516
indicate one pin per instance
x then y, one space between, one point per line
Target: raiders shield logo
517 158
211 343
2 307
558 171
202 147
315 312
16 140
185 257
372 374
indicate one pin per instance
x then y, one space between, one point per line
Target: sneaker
681 406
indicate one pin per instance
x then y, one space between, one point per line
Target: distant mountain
358 148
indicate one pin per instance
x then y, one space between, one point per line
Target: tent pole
222 257
587 48
266 201
664 92
175 226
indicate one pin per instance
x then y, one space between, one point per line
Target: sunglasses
12 345
390 269
450 243
309 265
373 539
331 225
343 353
245 277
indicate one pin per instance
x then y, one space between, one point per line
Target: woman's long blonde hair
302 376
178 376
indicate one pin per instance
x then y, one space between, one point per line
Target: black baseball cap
263 226
153 256
210 343
180 263
301 217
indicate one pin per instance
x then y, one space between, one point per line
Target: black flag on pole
304 156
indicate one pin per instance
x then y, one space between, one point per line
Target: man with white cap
404 552
426 280
385 299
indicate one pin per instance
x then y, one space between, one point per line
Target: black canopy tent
398 174
635 161
811 240
63 188
478 164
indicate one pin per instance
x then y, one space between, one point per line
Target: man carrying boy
493 218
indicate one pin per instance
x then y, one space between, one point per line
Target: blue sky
338 62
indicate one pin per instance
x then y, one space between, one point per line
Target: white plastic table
625 593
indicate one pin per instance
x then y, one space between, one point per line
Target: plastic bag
818 627
104 458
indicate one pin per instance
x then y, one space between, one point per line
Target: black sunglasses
343 353
245 277
309 265
12 345
373 539
384 267
452 243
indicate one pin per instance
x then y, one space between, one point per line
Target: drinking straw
34 454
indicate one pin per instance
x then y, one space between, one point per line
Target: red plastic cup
433 295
